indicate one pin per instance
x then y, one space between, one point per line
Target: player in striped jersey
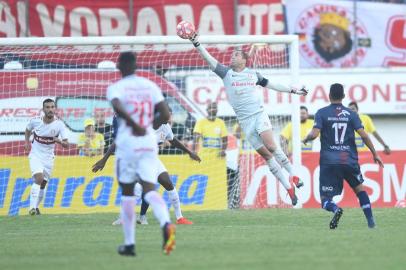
47 130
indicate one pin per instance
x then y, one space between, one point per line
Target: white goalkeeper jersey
241 89
139 97
43 144
164 133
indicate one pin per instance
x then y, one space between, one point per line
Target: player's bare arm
196 140
224 142
370 146
122 113
162 114
64 143
313 134
211 61
99 165
386 148
176 143
27 140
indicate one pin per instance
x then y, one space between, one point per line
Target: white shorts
161 168
41 165
143 168
255 125
137 159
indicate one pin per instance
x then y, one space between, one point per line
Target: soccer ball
185 29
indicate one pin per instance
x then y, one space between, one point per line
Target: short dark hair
304 108
353 103
127 62
48 100
337 91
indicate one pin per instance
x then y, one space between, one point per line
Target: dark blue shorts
332 177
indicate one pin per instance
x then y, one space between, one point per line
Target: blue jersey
115 126
337 125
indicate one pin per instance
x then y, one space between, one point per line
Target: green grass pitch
233 239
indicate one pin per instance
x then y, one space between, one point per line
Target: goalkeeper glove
195 39
302 91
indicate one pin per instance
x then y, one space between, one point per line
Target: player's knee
44 184
127 189
39 178
165 181
358 188
271 147
147 187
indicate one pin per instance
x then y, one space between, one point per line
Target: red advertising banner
153 17
385 187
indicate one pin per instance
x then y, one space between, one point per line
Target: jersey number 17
339 132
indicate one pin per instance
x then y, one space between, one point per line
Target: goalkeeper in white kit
240 84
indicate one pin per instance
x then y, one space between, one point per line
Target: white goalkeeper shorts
42 165
255 125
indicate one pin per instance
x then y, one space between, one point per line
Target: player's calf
366 207
168 238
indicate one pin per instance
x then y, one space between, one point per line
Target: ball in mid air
185 29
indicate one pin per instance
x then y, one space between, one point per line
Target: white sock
40 197
34 195
283 160
276 170
128 219
137 191
174 197
158 207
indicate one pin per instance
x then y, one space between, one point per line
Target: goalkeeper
240 84
164 132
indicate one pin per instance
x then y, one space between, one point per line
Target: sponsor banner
47 18
73 188
385 187
102 18
377 91
331 37
78 95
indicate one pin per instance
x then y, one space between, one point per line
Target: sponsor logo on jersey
236 84
344 113
44 140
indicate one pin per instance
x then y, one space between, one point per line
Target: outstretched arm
381 141
176 143
99 165
314 133
211 61
370 145
279 87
